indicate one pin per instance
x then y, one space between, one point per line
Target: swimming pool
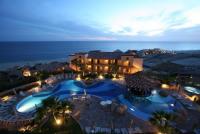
143 107
105 90
192 90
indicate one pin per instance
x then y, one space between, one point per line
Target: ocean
29 53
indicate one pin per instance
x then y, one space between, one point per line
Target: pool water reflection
105 89
192 90
153 103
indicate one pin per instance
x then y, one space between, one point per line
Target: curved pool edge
22 107
66 88
192 90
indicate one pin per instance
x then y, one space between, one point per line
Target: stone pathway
89 113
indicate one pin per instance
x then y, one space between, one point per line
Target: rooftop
104 55
97 54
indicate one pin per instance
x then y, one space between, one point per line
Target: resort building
104 62
26 72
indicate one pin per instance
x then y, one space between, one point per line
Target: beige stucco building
100 62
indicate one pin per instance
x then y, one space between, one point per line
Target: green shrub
108 76
163 93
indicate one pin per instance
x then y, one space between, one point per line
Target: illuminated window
106 68
105 61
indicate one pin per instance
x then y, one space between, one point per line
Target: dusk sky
126 20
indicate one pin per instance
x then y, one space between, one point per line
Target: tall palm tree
41 111
81 66
114 68
65 108
52 107
76 62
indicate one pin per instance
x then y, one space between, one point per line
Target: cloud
150 22
192 19
108 20
20 28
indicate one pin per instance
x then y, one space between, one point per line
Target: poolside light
154 92
78 78
165 86
114 79
68 111
101 77
172 105
5 98
58 121
22 129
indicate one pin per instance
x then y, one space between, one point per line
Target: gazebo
139 85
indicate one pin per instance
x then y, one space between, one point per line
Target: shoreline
9 65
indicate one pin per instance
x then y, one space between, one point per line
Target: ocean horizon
30 53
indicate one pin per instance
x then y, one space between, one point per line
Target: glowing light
26 73
154 92
78 78
114 79
165 86
58 121
172 105
132 109
101 77
89 66
22 129
6 98
192 98
68 111
106 68
106 61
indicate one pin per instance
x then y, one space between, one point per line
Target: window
127 58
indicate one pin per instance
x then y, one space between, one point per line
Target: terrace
128 112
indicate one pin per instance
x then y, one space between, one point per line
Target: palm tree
65 108
81 66
41 111
162 119
114 68
51 107
76 62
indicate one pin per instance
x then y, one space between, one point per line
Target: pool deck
89 113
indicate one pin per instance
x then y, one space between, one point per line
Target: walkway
89 113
